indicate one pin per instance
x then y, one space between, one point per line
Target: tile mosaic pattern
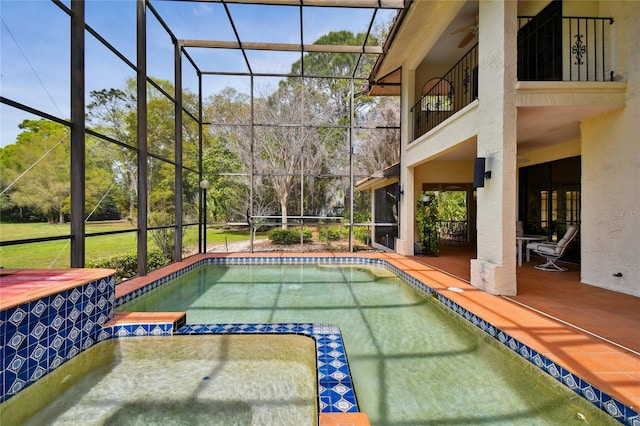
335 389
39 336
132 330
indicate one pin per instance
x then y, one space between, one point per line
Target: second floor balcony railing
443 97
565 48
560 48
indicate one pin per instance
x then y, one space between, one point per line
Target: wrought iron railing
564 48
447 95
453 231
549 49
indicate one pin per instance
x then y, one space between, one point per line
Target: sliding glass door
550 200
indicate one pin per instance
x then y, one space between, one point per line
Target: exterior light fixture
479 173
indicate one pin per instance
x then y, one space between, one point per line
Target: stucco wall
494 268
611 171
445 172
611 201
556 152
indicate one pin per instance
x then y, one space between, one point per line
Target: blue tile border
619 411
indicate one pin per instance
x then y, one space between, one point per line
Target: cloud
202 10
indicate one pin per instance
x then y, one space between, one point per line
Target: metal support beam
252 166
385 4
141 80
178 153
201 226
351 179
77 134
282 47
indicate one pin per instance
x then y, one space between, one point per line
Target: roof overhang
414 33
389 85
380 179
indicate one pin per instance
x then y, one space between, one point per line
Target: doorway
549 200
456 212
540 45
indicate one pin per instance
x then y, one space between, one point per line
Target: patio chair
554 251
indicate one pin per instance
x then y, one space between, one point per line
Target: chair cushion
548 248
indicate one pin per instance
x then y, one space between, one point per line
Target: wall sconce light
479 173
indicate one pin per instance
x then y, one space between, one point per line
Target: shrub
289 236
362 234
164 237
126 265
333 233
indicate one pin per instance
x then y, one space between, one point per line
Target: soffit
419 31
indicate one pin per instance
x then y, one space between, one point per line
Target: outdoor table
524 239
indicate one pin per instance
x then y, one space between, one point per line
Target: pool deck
592 332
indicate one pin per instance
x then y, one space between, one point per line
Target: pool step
344 419
178 319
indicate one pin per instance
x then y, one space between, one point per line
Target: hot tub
203 379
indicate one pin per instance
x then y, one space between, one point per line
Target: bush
333 233
362 234
126 265
289 236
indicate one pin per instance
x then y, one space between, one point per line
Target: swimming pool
203 380
412 361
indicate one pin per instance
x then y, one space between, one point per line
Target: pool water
412 361
181 380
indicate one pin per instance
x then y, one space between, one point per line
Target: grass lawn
56 254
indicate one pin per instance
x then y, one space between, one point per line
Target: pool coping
620 411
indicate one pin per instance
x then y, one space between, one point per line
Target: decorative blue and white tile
571 381
614 408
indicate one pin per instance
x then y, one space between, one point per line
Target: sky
34 47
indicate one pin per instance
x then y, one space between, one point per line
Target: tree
427 222
452 205
283 152
296 137
40 167
337 90
227 155
112 112
377 148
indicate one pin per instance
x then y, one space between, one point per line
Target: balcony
564 48
443 97
550 48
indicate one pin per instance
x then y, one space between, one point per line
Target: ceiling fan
471 30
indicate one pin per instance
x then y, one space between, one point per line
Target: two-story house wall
547 93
